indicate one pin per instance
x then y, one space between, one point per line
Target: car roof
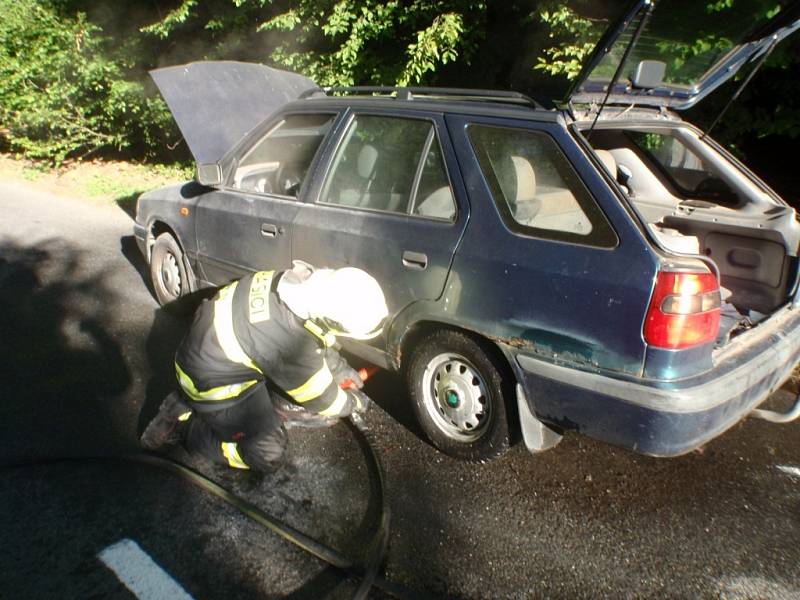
484 105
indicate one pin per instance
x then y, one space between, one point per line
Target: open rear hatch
673 53
694 198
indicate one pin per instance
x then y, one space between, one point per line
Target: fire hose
369 572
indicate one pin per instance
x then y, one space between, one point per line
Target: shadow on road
162 343
129 249
61 369
128 203
66 378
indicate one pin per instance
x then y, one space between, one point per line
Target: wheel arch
492 350
423 328
158 226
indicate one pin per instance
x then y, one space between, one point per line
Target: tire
168 273
460 396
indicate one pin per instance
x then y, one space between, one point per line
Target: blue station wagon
604 267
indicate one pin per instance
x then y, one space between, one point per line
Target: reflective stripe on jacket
245 335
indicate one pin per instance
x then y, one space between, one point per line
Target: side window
279 161
434 196
383 161
536 189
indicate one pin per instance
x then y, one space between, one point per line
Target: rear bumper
667 418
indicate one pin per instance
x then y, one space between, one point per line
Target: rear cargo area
696 200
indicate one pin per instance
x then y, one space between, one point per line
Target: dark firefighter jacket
245 335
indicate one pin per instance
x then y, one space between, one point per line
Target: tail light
684 310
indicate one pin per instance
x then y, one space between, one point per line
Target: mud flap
538 437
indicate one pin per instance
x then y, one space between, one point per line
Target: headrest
526 179
366 161
608 160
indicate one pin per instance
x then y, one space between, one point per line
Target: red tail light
684 310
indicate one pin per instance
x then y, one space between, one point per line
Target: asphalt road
86 359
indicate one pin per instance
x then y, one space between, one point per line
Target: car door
247 225
388 204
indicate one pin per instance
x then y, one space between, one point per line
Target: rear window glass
535 188
688 173
690 37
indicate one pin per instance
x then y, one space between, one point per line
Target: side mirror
649 74
210 174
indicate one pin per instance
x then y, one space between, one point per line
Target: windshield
689 37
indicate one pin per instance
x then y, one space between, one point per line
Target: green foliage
574 36
174 18
72 85
61 94
437 43
337 42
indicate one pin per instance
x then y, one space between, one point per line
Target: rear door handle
269 230
415 260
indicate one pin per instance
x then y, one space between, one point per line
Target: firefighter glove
360 400
346 374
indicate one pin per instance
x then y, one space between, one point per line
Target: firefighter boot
163 429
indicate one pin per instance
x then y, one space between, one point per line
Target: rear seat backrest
357 194
439 204
526 205
526 179
367 157
643 183
608 160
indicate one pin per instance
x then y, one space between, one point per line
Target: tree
344 42
61 93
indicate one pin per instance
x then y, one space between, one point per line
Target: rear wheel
459 394
168 271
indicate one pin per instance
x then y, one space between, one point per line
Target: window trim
602 235
412 201
352 115
274 124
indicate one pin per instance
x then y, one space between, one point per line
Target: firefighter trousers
247 435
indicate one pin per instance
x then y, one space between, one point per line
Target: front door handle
415 260
269 230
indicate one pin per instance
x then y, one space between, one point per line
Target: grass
95 181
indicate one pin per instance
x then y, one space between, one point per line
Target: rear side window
536 189
278 162
393 165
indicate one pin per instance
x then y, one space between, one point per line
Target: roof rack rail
409 93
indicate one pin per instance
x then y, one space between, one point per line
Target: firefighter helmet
346 302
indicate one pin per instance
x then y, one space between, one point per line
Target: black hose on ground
369 573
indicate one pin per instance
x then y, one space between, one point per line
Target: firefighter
259 341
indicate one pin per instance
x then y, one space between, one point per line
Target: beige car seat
358 195
525 205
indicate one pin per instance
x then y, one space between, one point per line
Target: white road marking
790 470
140 573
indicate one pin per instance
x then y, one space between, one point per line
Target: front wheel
459 394
168 272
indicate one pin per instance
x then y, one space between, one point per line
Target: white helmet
346 302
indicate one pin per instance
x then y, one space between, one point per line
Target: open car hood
215 103
684 50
